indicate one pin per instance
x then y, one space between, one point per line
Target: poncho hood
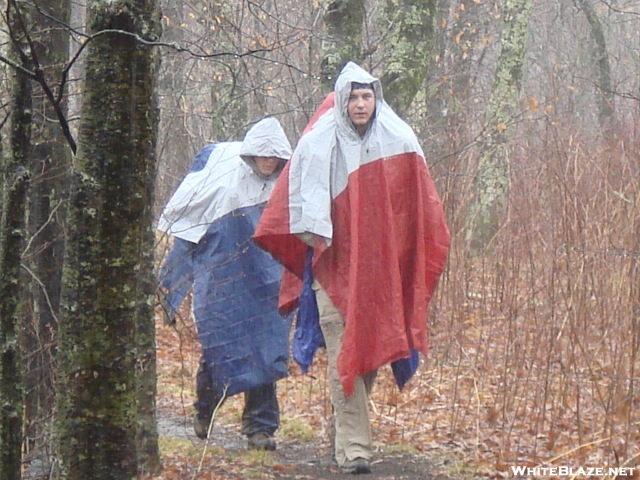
266 139
224 177
353 73
332 149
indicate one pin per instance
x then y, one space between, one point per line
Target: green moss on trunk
411 50
12 236
344 20
106 280
51 159
492 180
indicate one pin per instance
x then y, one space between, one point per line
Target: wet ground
294 459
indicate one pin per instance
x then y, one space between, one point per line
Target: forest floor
225 456
489 397
303 450
456 419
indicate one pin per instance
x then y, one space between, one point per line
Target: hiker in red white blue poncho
212 217
357 206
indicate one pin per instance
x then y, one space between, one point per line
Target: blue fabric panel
404 368
308 336
176 274
201 158
236 285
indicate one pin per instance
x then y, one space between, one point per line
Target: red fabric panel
389 247
274 236
326 104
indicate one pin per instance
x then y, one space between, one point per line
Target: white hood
229 180
266 139
333 149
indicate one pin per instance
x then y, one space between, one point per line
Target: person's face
267 165
362 104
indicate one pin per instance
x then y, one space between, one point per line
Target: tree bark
107 295
50 161
493 169
344 20
601 60
12 236
448 101
411 50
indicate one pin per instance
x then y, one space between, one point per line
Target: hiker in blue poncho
212 217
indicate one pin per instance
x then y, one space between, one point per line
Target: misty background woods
528 113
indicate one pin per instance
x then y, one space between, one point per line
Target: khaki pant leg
352 427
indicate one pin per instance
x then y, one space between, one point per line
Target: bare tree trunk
12 236
344 20
493 169
452 75
106 290
405 69
50 162
601 60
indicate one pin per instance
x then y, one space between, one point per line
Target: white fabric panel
333 149
227 182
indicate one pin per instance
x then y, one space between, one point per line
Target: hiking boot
201 426
356 466
261 441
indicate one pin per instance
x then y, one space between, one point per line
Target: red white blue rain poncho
212 216
380 236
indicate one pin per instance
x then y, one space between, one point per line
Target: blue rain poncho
212 217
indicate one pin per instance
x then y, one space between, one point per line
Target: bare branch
617 10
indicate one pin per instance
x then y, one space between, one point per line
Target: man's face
267 165
362 104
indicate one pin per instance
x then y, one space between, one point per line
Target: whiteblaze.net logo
574 472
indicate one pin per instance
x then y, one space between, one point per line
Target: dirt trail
292 459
